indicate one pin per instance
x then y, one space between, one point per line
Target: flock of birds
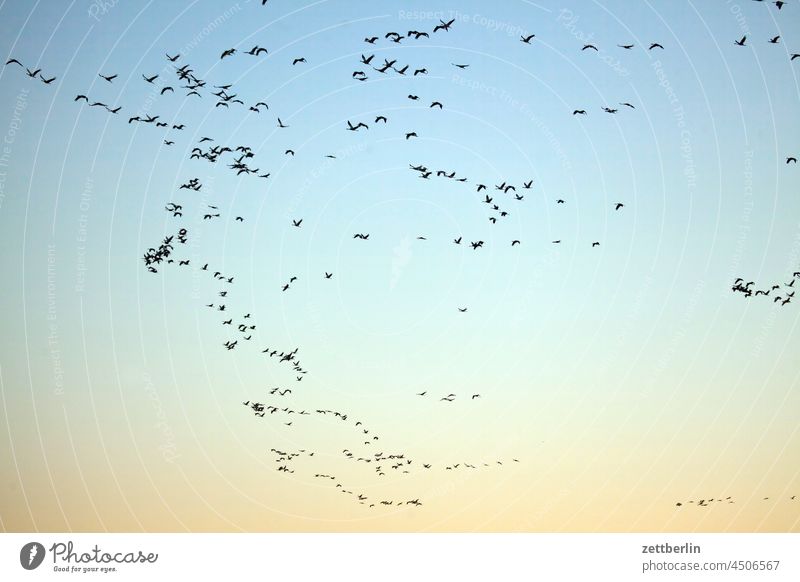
241 159
243 328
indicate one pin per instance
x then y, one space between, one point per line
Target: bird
14 61
514 242
618 205
299 60
109 78
655 45
625 46
527 39
150 79
436 104
328 275
227 53
579 112
791 160
589 46
411 134
280 123
297 223
47 81
462 309
774 39
741 41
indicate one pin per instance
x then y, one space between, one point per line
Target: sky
624 377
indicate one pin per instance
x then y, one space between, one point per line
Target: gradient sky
624 378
